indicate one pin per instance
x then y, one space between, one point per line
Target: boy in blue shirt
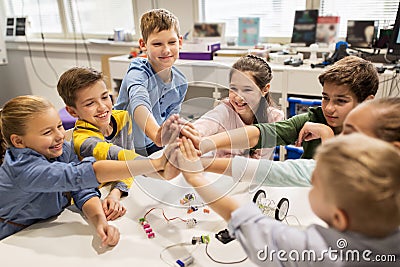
153 89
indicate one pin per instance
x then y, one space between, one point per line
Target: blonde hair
157 20
15 115
387 126
362 178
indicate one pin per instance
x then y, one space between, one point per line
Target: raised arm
191 167
148 124
245 137
111 170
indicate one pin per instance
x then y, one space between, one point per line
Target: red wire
163 213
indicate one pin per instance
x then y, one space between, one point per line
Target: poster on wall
305 27
328 29
249 31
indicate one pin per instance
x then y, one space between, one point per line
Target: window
99 16
43 15
276 16
384 11
90 17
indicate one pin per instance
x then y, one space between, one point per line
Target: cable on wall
44 52
72 17
82 35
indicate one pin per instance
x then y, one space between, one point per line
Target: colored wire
223 262
172 246
163 213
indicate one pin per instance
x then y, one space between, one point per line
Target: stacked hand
181 140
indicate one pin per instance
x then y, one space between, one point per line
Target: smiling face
244 94
45 135
162 49
93 104
337 102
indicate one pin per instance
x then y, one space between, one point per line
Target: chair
67 120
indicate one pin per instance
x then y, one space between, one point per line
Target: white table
68 240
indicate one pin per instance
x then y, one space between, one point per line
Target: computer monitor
360 33
394 44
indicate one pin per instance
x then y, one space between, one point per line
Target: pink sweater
223 118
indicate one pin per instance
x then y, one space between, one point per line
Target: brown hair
15 115
362 178
75 79
387 127
358 74
157 20
262 75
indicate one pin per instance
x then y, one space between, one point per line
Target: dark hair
15 115
358 74
262 75
75 79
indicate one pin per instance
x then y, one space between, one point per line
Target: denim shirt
32 187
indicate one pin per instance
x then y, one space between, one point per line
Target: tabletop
68 239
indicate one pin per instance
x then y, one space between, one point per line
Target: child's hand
187 157
190 132
169 130
171 171
311 131
113 208
108 234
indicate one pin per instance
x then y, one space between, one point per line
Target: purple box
196 55
200 55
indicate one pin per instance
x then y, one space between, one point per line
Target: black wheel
282 209
259 195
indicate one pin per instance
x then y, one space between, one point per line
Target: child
153 88
379 118
361 207
40 169
249 103
99 131
347 83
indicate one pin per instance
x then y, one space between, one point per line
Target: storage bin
299 105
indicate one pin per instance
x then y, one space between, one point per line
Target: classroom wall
18 77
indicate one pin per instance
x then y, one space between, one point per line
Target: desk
68 240
287 80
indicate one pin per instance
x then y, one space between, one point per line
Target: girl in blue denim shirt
40 171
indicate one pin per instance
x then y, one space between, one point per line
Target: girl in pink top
249 103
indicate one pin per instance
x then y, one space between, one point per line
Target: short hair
387 126
358 74
157 20
361 176
75 79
